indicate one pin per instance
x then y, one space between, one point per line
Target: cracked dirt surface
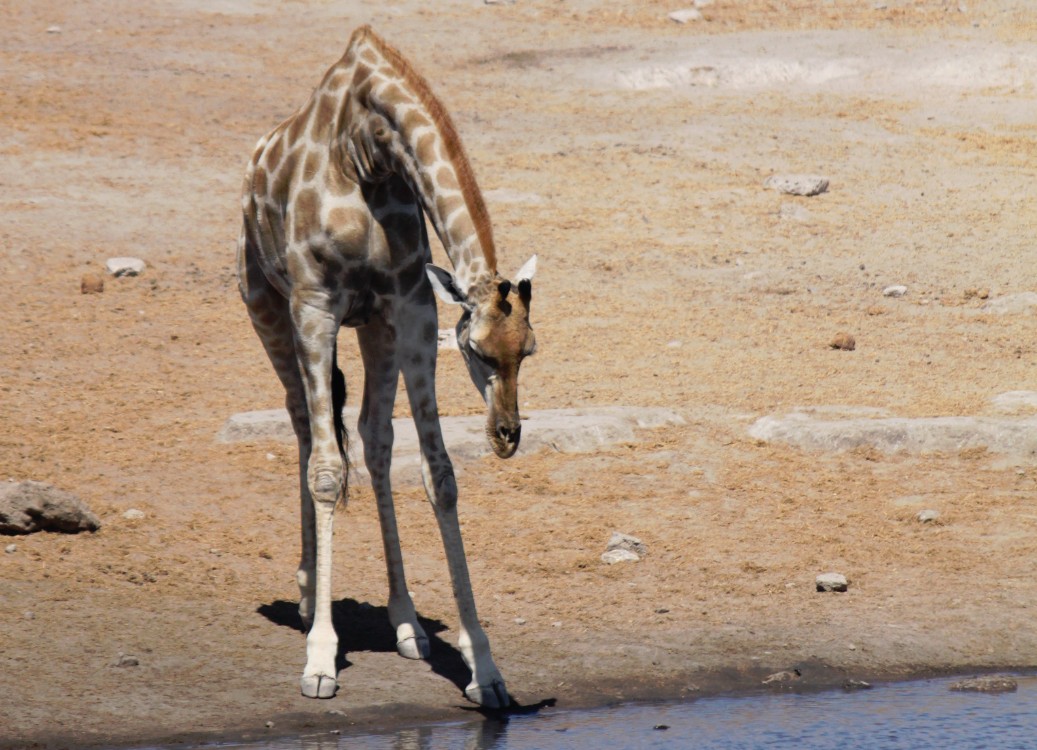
630 153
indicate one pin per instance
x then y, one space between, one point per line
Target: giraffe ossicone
334 204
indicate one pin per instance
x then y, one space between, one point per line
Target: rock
269 725
785 676
683 16
831 582
928 516
125 660
520 620
797 184
990 684
851 685
627 542
133 514
91 283
897 290
613 556
53 29
125 266
11 549
844 342
977 293
26 507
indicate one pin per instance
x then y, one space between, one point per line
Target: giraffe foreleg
487 685
381 376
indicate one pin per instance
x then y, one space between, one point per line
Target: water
924 714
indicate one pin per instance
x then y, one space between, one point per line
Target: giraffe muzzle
504 438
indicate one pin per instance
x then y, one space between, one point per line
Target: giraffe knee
326 484
442 490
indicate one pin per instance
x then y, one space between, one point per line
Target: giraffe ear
528 269
445 286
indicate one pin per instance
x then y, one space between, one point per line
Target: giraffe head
494 336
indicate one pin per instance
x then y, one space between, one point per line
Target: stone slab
564 430
1015 436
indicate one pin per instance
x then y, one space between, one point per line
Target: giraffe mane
451 140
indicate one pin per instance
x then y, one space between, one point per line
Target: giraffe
334 200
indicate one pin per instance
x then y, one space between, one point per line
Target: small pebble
30 615
125 660
797 184
844 342
992 684
928 516
831 582
784 676
11 549
53 29
683 16
269 725
897 290
125 266
91 283
856 685
520 620
133 514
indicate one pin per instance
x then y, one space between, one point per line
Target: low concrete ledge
562 430
1016 436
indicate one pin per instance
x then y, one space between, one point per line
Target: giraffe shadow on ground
364 627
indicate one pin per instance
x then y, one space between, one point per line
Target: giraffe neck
394 123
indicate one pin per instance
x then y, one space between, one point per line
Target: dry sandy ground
628 151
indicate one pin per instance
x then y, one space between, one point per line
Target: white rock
928 516
831 582
614 556
897 290
11 549
125 266
797 184
53 29
683 16
703 3
133 514
628 543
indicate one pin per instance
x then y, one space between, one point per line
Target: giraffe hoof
318 686
494 695
414 647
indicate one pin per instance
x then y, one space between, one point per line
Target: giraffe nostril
509 434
